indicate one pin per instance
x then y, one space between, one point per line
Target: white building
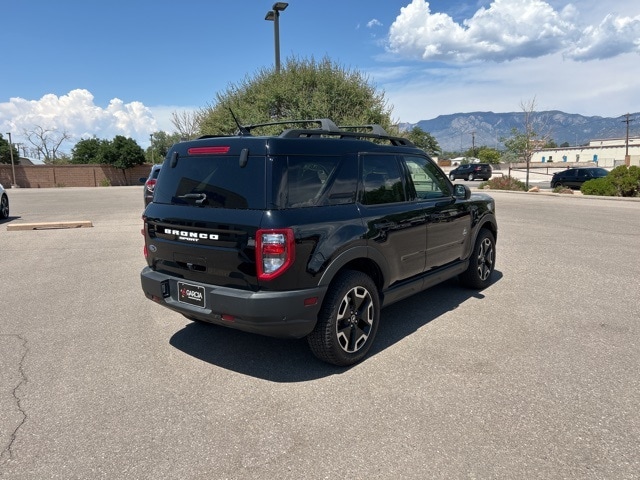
606 153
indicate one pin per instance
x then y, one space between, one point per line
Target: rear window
213 182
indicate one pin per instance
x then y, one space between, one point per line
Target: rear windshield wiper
198 197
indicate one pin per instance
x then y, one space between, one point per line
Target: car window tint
311 179
381 180
214 182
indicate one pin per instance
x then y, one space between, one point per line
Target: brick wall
48 176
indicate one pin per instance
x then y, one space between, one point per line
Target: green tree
488 155
161 142
88 151
304 89
123 153
423 140
5 153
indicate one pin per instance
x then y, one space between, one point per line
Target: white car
4 203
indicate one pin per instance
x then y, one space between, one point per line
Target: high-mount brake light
274 252
217 150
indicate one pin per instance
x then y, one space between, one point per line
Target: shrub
599 186
504 183
622 181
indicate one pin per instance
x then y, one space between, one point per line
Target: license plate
191 294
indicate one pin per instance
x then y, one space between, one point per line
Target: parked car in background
4 203
575 177
150 183
471 171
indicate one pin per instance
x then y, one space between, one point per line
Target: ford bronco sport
309 233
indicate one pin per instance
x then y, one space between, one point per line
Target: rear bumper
276 314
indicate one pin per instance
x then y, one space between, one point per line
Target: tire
4 207
348 320
470 177
452 177
481 262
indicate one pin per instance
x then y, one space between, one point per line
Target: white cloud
374 23
76 114
508 30
614 35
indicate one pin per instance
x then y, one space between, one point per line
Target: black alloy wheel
481 263
348 320
4 207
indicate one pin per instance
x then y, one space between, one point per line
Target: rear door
396 226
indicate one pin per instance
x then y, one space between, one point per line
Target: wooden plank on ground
49 225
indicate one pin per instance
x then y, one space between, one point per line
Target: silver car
4 203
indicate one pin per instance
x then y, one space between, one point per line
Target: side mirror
461 191
142 179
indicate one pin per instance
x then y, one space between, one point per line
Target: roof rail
378 133
323 123
326 128
373 128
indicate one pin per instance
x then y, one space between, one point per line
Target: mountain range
459 132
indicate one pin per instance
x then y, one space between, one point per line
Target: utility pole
627 159
473 144
151 147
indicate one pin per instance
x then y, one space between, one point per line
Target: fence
48 176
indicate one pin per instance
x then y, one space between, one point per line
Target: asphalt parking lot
535 377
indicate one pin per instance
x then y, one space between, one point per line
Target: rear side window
310 181
382 180
213 182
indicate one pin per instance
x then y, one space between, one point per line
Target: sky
99 69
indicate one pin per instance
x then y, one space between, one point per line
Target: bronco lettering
185 235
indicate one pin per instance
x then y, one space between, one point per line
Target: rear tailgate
208 204
217 252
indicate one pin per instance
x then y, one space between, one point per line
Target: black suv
309 233
575 177
471 171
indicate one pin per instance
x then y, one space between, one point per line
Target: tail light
274 252
150 185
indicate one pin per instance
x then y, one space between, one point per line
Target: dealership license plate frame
191 294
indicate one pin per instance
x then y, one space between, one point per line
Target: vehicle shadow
284 361
9 219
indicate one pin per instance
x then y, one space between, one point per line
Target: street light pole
151 147
13 168
274 16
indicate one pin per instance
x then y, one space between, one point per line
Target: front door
448 218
